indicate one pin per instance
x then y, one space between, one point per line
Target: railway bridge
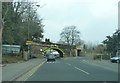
39 49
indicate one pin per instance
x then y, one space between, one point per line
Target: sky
95 19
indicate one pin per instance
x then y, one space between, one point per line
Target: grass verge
6 60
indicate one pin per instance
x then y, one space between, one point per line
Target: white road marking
82 60
81 70
100 65
58 62
68 64
80 57
53 62
31 72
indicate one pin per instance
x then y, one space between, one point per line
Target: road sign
29 41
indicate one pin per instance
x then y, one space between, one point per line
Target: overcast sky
95 19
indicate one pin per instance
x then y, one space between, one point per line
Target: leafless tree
70 36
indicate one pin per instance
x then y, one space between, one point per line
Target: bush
82 54
98 56
94 57
106 57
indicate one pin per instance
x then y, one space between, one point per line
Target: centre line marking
81 70
68 64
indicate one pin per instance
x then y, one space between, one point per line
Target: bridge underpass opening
57 49
78 52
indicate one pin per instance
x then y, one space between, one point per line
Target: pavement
10 72
71 70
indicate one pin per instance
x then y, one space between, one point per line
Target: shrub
96 56
82 54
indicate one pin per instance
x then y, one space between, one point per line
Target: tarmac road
74 70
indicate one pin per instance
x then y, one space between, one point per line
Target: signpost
29 43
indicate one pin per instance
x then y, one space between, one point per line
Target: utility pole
0 30
30 5
119 15
1 40
28 28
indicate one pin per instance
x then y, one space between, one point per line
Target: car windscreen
51 55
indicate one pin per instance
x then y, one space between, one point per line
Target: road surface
72 70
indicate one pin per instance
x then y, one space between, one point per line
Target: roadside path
10 72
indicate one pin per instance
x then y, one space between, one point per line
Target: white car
115 59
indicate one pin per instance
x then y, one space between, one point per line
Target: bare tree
70 36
